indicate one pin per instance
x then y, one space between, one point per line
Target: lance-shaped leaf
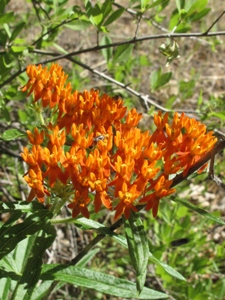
138 248
99 281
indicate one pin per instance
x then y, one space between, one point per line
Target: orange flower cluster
106 151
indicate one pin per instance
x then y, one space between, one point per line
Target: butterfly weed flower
92 151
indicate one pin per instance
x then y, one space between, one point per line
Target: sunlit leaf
99 281
11 134
199 210
138 248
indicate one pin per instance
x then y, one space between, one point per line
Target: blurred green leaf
78 24
17 30
114 16
158 80
11 134
200 211
107 52
106 8
155 3
7 18
7 29
220 115
179 4
95 14
195 6
4 113
18 48
2 7
201 14
123 53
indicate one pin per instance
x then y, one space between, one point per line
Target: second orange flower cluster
94 147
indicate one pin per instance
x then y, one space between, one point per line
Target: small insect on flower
117 97
98 138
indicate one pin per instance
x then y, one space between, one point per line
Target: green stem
58 203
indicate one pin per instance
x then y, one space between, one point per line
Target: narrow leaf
138 248
107 53
32 256
114 16
123 53
200 211
17 30
11 235
90 224
99 281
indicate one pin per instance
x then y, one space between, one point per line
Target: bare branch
53 29
127 42
207 31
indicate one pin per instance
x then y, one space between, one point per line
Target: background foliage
148 52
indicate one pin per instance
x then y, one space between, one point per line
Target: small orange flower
127 196
35 181
37 138
79 204
161 189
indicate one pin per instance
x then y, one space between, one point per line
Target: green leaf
87 257
16 49
114 16
2 7
11 235
220 115
95 15
23 264
138 247
179 4
193 5
201 14
7 29
123 53
5 284
8 268
107 52
33 258
11 134
90 224
87 224
17 30
157 80
144 4
200 211
166 267
155 3
99 281
106 8
7 18
43 290
21 207
5 114
78 24
59 48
